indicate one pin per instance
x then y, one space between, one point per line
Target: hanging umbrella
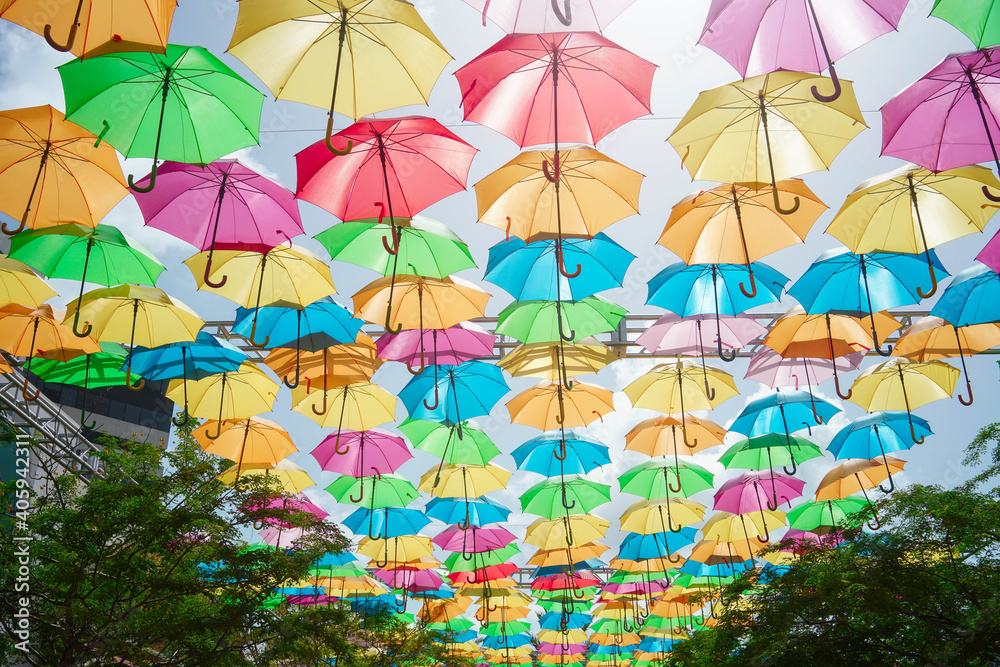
748 528
517 16
386 522
388 47
550 405
88 371
463 480
990 254
863 283
883 214
359 406
877 433
755 491
647 478
346 452
664 435
455 345
978 20
51 172
660 516
972 297
703 289
557 361
430 247
561 454
673 334
467 390
768 451
595 191
336 365
319 324
466 511
552 321
403 547
387 490
760 37
19 284
774 413
738 224
552 499
290 477
223 205
729 121
249 441
855 476
105 27
402 299
65 251
239 395
770 368
200 109
823 517
901 383
441 440
473 539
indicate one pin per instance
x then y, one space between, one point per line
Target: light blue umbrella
706 289
386 522
656 545
972 297
507 641
561 454
478 511
553 620
530 271
867 283
458 392
877 433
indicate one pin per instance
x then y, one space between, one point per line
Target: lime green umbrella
508 628
429 247
548 321
102 255
442 440
978 19
585 592
184 105
822 516
454 625
655 479
769 451
386 490
457 561
100 369
551 499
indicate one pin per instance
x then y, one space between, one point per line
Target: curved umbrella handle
836 385
437 400
709 391
670 524
887 353
561 417
961 399
393 248
26 395
934 283
569 533
566 505
989 195
753 285
560 448
47 33
570 337
892 484
795 467
671 486
218 431
377 537
836 88
324 409
401 605
917 439
777 203
423 365
184 419
812 404
294 383
148 188
208 269
466 556
76 322
551 176
878 522
684 434
128 378
329 134
561 262
253 335
388 322
361 496
492 607
336 447
19 228
583 594
673 558
564 18
722 355
381 564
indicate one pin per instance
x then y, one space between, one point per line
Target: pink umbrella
635 588
803 539
378 173
281 538
362 453
762 36
455 345
415 581
559 582
473 540
300 503
755 490
223 205
550 15
774 370
947 118
561 649
990 254
489 573
673 334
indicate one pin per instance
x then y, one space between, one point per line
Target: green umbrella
654 479
550 321
184 105
769 451
978 19
100 369
509 628
551 499
587 591
824 515
454 625
457 562
102 255
387 490
441 440
431 248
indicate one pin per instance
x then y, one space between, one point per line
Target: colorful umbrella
406 306
517 16
320 324
290 477
825 516
358 406
659 436
466 511
98 369
200 109
467 390
863 439
563 454
774 412
554 321
550 405
455 345
646 478
768 451
977 19
344 452
343 364
857 475
466 480
386 490
442 440
386 522
558 361
554 499
247 441
19 284
239 395
754 491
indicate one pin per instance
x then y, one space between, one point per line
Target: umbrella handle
836 88
561 417
394 248
836 385
722 355
83 424
673 558
148 188
464 525
361 496
561 262
560 448
552 176
492 607
892 486
185 418
381 564
76 322
208 269
566 505
817 416
401 605
777 203
753 285
388 320
376 537
329 134
20 228
989 195
670 525
962 399
671 486
917 439
583 594
336 446
128 378
564 18
466 556
437 400
325 407
218 432
24 391
934 283
474 577
47 32
878 523
795 467
253 335
887 353
684 434
570 337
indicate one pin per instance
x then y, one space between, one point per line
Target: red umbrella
489 573
362 453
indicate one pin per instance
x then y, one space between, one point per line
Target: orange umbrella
251 440
857 475
659 436
550 405
338 364
416 302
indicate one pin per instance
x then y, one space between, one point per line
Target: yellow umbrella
661 436
715 552
903 384
442 611
728 527
463 480
594 192
500 614
356 407
404 547
661 514
290 476
560 557
738 224
94 27
931 338
50 171
251 440
416 302
379 53
19 284
766 129
563 637
549 405
555 361
913 210
565 531
238 395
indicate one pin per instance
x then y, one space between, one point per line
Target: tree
149 566
925 590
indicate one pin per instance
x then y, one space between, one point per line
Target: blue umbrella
554 620
528 271
973 297
555 454
877 433
696 569
610 649
656 545
588 564
704 289
386 522
188 360
460 637
479 511
773 413
336 559
507 641
466 390
654 645
867 283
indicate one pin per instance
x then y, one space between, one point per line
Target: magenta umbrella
636 588
550 15
763 36
221 206
281 538
473 540
415 581
774 370
990 254
947 118
753 491
673 334
562 649
362 453
455 345
300 503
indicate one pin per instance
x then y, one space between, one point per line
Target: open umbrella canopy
549 405
97 369
373 491
360 453
681 385
664 435
753 491
463 480
691 335
39 332
358 406
467 390
556 361
877 433
442 440
319 324
972 297
136 315
194 360
703 289
823 516
855 476
418 347
656 476
386 521
561 454
19 284
769 450
978 19
784 411
290 477
660 515
414 302
573 494
227 396
904 384
552 321
246 441
478 511
335 366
